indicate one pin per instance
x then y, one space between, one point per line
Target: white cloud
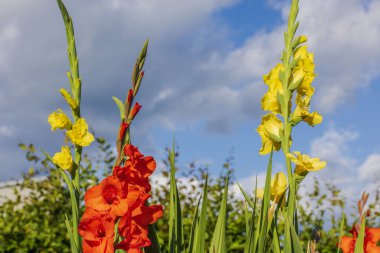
8 34
370 169
333 146
344 40
6 131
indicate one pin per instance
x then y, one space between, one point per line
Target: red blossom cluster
120 199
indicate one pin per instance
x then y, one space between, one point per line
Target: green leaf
121 107
359 244
194 228
261 233
218 243
198 244
246 197
251 238
175 216
154 246
69 231
341 228
295 241
22 146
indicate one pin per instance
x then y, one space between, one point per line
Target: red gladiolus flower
97 231
140 166
372 236
136 169
122 197
108 196
133 226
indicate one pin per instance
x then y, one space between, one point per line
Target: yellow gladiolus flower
60 120
277 187
79 134
302 112
305 66
63 159
305 163
269 131
272 79
71 101
270 103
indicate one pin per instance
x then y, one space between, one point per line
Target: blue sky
203 79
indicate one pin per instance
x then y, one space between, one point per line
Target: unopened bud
134 111
122 129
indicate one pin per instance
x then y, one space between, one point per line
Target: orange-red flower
372 236
133 226
108 196
136 169
97 231
121 196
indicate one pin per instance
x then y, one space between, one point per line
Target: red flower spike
122 195
97 231
108 196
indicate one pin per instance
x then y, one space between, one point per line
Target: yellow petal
59 120
269 102
63 159
278 185
269 131
272 79
306 163
313 119
79 134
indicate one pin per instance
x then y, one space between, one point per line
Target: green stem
286 105
75 84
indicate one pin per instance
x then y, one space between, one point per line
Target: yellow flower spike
63 159
59 120
305 163
269 131
71 101
79 134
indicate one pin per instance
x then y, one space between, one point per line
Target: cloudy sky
203 79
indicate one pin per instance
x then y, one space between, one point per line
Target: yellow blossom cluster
78 132
288 83
305 68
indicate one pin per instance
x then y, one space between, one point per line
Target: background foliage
33 222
